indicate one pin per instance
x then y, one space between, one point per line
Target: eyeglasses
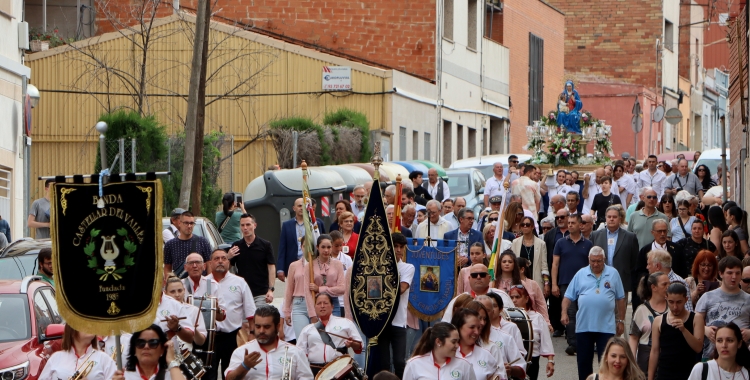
651 197
152 343
746 280
661 231
193 263
525 224
706 265
703 170
189 224
480 274
514 162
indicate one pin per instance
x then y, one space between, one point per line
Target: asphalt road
566 367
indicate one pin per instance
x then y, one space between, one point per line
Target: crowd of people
573 250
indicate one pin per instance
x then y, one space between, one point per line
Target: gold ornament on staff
147 190
63 201
376 161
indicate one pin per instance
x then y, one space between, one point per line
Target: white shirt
449 310
288 330
485 365
136 375
272 363
512 329
169 233
347 262
63 364
628 183
655 181
506 347
437 230
554 188
405 274
192 315
200 290
433 190
716 373
238 301
309 340
494 187
452 219
357 210
423 367
594 189
656 245
542 339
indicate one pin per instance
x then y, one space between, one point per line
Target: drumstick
164 320
199 312
517 359
339 336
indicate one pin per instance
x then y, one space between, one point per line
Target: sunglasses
525 224
481 274
701 170
651 197
517 287
492 219
560 217
546 228
584 222
746 280
152 343
513 162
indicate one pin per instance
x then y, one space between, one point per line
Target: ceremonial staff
311 226
396 227
498 232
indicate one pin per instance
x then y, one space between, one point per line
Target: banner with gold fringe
107 254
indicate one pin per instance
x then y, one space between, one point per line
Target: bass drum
521 319
341 368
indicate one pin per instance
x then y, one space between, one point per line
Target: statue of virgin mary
569 109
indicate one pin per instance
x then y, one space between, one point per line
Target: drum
191 366
341 368
521 319
208 307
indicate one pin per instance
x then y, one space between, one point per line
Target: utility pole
192 106
197 185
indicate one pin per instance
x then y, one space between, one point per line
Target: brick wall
683 63
613 40
112 15
391 33
737 138
521 17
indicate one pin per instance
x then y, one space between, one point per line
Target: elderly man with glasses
464 235
480 285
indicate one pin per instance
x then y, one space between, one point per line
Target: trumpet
84 370
287 372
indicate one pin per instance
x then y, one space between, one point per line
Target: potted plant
43 40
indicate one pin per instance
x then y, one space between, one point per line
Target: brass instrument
287 372
84 370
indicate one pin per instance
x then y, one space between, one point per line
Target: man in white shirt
197 284
556 186
358 204
591 188
480 285
528 188
436 187
173 230
337 335
452 217
436 224
265 357
494 186
653 177
237 298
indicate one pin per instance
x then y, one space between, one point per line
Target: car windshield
460 184
18 267
14 318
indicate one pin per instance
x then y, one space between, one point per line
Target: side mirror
52 332
481 190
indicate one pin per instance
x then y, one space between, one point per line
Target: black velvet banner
374 287
107 254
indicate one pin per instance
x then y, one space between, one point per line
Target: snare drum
343 367
521 319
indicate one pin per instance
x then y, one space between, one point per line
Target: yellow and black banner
107 254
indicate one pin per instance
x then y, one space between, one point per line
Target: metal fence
121 155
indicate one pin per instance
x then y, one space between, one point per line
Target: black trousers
393 341
532 369
226 343
555 311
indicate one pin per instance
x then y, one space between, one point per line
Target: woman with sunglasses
704 176
676 338
435 356
668 207
79 351
737 220
704 273
680 226
512 218
150 357
653 291
532 248
731 358
718 225
542 340
484 363
730 246
476 256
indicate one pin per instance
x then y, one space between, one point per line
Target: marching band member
435 356
267 356
484 363
542 340
150 356
237 298
480 285
341 334
503 342
500 324
79 356
197 284
176 289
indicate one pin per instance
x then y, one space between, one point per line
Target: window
427 143
402 143
472 142
536 77
472 25
447 142
459 142
668 35
448 19
49 295
484 141
43 314
415 145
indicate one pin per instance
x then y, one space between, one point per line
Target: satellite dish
673 116
658 114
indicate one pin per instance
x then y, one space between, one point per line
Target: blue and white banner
434 283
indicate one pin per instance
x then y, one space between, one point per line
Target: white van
712 159
485 163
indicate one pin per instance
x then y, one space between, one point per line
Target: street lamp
33 93
101 127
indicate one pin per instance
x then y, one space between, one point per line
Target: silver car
469 184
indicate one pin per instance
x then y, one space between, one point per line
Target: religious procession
312 190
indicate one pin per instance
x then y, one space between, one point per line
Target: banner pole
118 352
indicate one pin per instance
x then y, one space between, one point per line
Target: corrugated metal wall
64 137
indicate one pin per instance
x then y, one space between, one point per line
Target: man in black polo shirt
255 263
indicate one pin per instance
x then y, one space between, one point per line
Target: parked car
469 184
485 163
203 227
29 322
18 259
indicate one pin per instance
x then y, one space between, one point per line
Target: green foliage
89 249
346 117
94 232
122 232
149 134
307 125
130 246
92 262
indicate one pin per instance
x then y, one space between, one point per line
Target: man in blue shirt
601 309
570 255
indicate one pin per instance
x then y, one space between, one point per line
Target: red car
30 327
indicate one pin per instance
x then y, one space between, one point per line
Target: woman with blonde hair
618 362
512 218
489 239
